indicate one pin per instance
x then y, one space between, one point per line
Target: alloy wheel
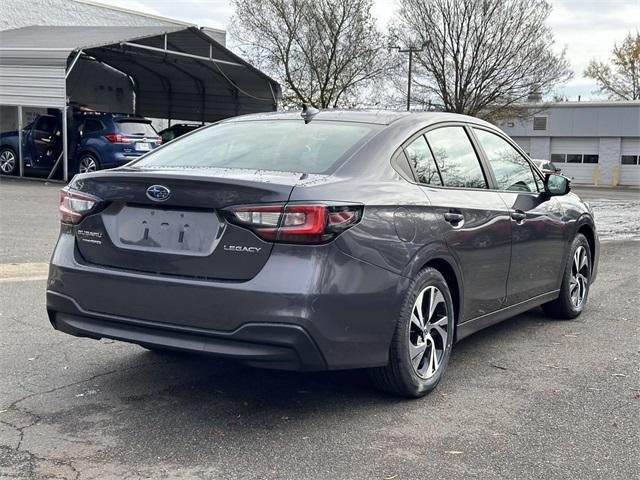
87 164
7 161
428 332
579 277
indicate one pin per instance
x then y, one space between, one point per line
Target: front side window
46 124
279 145
423 163
512 171
457 160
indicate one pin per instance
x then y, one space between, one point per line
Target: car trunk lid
182 233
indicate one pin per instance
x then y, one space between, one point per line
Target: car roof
132 117
379 117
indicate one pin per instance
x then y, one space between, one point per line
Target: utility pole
410 51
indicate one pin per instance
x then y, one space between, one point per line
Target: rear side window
512 171
457 160
281 145
91 126
136 128
422 162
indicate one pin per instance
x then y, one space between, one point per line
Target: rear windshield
282 145
136 128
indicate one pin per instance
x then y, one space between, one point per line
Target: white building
596 143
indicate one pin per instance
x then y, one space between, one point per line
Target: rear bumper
309 308
278 346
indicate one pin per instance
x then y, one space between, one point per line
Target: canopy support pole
20 152
65 153
73 64
55 166
181 54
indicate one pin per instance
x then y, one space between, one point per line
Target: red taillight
117 138
75 205
296 223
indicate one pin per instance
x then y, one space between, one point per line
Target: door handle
453 218
519 216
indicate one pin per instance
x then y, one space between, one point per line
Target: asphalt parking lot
528 398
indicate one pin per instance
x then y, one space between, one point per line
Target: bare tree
323 52
621 79
481 56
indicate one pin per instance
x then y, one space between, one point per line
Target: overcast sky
586 28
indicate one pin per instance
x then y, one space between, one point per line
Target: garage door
577 157
630 162
524 143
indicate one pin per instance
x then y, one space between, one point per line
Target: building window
575 158
539 123
630 159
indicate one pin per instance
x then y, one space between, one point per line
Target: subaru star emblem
158 193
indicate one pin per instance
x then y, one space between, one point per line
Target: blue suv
95 141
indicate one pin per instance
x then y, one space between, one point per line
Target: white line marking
23 279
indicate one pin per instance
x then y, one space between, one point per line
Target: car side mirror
556 185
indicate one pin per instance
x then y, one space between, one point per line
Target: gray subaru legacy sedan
342 239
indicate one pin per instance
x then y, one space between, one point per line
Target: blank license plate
142 147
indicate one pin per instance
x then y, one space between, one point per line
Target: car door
538 240
43 141
471 218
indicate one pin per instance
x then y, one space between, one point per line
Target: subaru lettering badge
158 193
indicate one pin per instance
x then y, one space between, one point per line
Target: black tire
564 307
86 159
400 377
9 163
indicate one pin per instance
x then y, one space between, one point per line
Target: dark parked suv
344 240
177 130
95 141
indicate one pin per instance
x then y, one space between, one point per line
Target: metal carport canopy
177 72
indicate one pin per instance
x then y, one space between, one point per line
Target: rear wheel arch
86 152
452 277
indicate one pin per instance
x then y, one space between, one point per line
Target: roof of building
584 104
145 14
47 38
